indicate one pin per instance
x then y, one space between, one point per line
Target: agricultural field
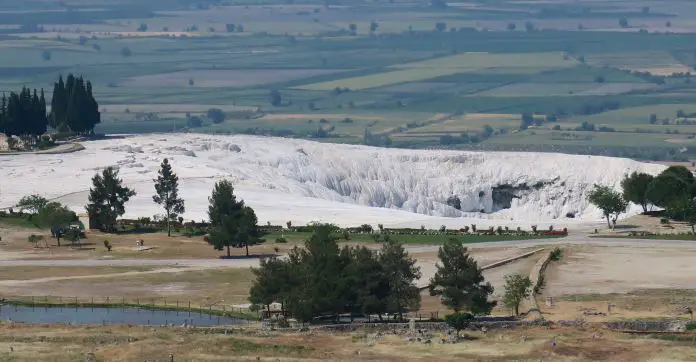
409 71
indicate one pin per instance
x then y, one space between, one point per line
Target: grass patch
434 239
20 221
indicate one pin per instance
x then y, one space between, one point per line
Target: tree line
73 108
673 190
324 281
232 223
24 113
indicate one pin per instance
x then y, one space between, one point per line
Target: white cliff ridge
303 181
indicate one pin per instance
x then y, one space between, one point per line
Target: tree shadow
137 231
251 256
625 227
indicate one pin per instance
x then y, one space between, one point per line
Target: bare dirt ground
648 224
64 343
607 269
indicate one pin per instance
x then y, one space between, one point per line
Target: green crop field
409 71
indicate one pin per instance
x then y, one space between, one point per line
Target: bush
191 232
556 254
107 245
664 221
281 240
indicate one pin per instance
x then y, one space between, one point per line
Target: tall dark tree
107 198
401 272
167 194
23 114
459 280
234 225
73 105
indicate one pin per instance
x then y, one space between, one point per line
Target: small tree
459 321
32 203
234 225
107 198
167 194
126 52
107 245
440 27
275 98
459 280
609 201
216 115
373 26
623 22
635 188
517 288
46 55
142 27
353 29
230 28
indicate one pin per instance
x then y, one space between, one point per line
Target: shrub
346 235
556 254
107 245
281 240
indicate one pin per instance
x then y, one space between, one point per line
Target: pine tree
459 280
58 104
401 272
234 225
107 198
167 194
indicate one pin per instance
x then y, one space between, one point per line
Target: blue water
126 315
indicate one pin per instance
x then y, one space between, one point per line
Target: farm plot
475 61
658 63
222 78
470 122
565 138
538 89
507 63
639 115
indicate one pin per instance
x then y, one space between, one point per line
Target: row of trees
23 113
673 190
233 224
73 105
323 280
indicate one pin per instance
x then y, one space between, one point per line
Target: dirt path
111 275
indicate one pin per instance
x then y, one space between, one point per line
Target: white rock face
303 181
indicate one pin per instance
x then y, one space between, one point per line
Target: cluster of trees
469 138
24 113
232 223
673 190
73 106
323 280
46 213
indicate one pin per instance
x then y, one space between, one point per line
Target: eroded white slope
302 181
